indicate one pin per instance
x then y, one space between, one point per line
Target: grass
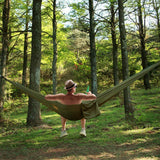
109 136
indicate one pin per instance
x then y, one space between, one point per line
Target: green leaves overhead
73 39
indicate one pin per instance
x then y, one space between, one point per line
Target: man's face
74 89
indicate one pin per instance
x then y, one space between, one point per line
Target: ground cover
109 136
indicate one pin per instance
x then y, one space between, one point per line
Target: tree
92 49
79 16
25 56
129 111
156 6
34 113
142 40
79 41
54 68
5 46
114 44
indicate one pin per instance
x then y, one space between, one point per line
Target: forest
89 42
96 43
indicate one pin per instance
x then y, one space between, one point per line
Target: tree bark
25 56
156 6
129 111
115 46
143 50
34 112
3 56
92 49
54 68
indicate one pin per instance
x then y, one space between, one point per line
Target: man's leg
63 121
63 132
83 123
83 131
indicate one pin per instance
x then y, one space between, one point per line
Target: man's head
70 85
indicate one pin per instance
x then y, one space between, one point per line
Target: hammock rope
87 109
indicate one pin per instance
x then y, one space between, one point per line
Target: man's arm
56 97
87 97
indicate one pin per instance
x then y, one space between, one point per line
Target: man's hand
89 93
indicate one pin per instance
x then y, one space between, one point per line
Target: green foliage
73 43
104 56
78 15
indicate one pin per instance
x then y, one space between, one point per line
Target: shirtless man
70 99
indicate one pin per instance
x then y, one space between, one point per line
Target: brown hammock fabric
87 109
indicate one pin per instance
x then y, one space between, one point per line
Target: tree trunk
156 6
158 25
143 50
129 111
92 49
5 46
54 68
34 113
25 57
115 46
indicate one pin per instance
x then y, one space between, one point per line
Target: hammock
87 109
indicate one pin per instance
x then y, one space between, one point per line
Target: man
70 99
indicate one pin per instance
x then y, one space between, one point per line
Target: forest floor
109 136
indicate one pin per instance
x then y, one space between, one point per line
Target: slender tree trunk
156 6
129 111
25 57
54 68
143 50
115 46
158 25
92 49
34 112
5 46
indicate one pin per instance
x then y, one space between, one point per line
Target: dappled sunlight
50 116
19 118
51 152
139 140
104 112
98 156
136 131
76 153
124 144
142 151
146 158
130 152
148 150
102 155
154 108
111 111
